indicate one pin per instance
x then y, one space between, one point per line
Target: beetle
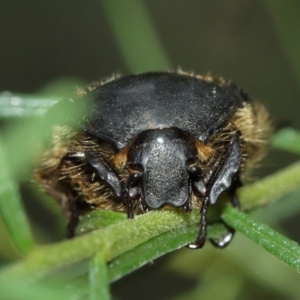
155 140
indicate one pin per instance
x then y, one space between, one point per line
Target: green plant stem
99 284
111 242
275 243
142 254
136 36
119 238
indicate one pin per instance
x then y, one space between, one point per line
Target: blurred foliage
117 247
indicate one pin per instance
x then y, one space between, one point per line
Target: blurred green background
254 43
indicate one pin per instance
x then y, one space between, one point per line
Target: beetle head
160 165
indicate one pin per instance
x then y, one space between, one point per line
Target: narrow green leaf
11 208
98 219
99 284
157 247
287 139
286 250
136 36
112 241
13 105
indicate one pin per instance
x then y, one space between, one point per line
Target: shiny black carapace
155 140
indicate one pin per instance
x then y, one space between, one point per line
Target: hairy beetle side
153 140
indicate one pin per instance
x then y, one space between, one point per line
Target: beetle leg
128 201
227 237
236 183
76 206
69 198
104 171
201 238
108 175
73 222
225 174
223 178
188 206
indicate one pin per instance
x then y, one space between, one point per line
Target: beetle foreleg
227 237
200 241
236 183
73 222
224 178
76 206
104 171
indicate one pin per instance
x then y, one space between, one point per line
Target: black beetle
157 139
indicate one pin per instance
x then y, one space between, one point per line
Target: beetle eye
193 169
135 177
195 172
135 173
